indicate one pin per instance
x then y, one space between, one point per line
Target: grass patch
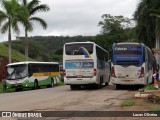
0 88
8 90
128 103
150 86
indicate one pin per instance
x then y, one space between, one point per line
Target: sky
77 17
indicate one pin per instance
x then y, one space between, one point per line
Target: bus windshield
129 49
79 49
14 72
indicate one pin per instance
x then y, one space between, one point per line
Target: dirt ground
105 99
141 104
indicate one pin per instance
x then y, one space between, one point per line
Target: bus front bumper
9 86
18 85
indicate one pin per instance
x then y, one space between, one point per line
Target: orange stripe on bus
46 74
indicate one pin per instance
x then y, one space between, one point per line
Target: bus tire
75 87
36 84
99 86
118 86
18 89
106 84
52 82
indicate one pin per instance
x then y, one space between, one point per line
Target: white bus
132 64
31 74
85 63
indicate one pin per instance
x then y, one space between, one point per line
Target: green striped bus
31 74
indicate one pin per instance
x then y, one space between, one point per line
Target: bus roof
85 42
33 62
79 42
134 43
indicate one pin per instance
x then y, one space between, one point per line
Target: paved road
59 98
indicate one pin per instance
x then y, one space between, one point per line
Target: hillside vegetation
47 48
16 55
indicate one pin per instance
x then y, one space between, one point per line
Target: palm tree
156 14
10 15
145 22
33 7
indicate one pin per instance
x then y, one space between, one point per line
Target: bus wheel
36 84
75 87
99 86
118 86
52 82
106 84
18 89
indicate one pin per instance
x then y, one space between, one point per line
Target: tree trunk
26 45
9 46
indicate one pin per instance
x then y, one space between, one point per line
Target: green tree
10 15
155 13
146 24
33 7
114 29
114 24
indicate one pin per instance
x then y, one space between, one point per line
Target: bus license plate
79 76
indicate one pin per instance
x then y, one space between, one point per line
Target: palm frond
3 17
5 27
32 4
15 26
40 8
24 2
40 21
28 26
6 6
154 12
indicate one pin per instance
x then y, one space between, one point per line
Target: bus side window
30 70
144 54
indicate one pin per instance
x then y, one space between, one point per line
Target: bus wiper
19 74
